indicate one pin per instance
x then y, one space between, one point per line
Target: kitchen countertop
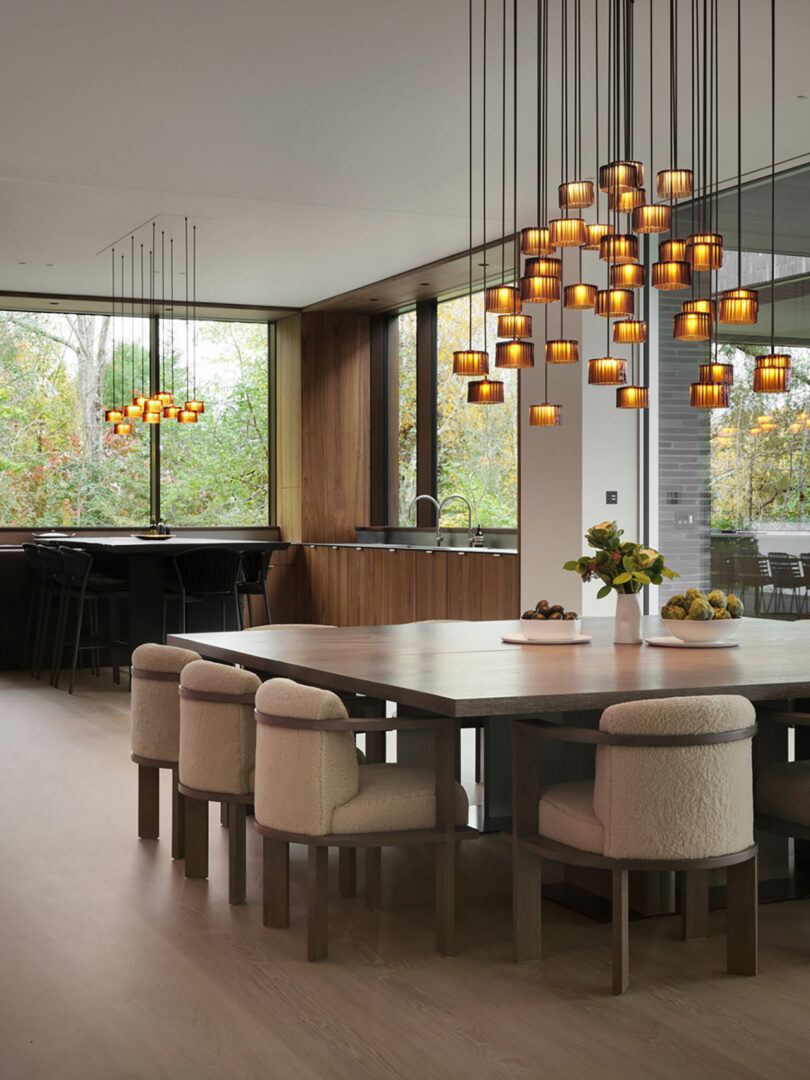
414 547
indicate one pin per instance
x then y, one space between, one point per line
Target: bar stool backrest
206 571
77 565
33 560
680 802
254 566
52 561
155 707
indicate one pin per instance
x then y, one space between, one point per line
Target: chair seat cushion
784 792
393 797
566 814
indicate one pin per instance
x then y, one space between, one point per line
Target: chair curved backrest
207 570
77 565
217 728
253 568
302 776
155 705
679 802
52 561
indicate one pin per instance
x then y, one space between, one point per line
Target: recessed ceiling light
22 264
801 97
424 283
373 300
49 264
483 264
54 303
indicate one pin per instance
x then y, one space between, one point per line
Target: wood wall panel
288 428
335 426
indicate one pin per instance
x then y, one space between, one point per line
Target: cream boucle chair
217 761
783 791
311 789
672 791
155 734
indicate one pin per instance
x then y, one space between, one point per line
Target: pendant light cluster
153 403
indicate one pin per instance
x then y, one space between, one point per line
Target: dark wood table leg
446 849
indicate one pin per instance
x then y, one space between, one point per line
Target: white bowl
550 629
710 630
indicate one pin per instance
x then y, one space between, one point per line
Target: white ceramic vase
627 628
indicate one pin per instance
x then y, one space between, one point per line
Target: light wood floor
115 967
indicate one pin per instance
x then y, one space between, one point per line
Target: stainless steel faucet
442 505
430 498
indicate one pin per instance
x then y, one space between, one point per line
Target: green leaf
571 565
643 578
621 578
603 592
628 563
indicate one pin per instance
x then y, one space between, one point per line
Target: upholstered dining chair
217 759
155 735
672 791
783 790
311 789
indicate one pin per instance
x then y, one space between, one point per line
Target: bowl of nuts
550 622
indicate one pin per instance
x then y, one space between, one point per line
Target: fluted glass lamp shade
670 275
195 406
113 416
772 374
484 392
543 266
629 332
166 397
717 373
153 405
704 251
470 362
171 412
607 371
186 416
625 202
708 395
540 290
614 303
580 297
739 307
594 234
702 305
619 248
627 276
514 354
535 241
567 232
514 326
620 176
123 427
576 195
674 183
692 326
545 415
633 397
133 411
153 417
139 399
672 251
501 299
562 352
652 218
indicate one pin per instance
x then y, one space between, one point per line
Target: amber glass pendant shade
171 412
614 303
470 362
153 405
545 415
567 232
534 241
195 406
514 354
543 266
620 248
704 251
484 392
607 371
539 290
652 218
701 306
153 417
627 276
739 307
501 299
708 395
562 352
166 397
580 297
113 416
576 195
133 411
671 275
620 176
514 326
717 373
672 251
630 332
139 399
692 326
186 416
625 202
123 428
674 183
772 374
633 397
594 234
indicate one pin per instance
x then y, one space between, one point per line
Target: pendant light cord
188 358
516 243
739 144
503 143
470 148
484 163
112 328
171 324
773 176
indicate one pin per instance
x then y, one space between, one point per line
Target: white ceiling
319 144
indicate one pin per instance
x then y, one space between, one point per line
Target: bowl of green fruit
697 616
550 622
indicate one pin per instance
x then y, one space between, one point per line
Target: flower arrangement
625 567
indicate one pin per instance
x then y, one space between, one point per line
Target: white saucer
520 639
676 643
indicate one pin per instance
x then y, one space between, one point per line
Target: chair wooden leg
178 818
347 871
148 802
527 918
373 877
446 898
196 838
694 889
741 918
621 932
237 871
317 903
275 882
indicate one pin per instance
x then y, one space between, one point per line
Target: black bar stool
253 582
